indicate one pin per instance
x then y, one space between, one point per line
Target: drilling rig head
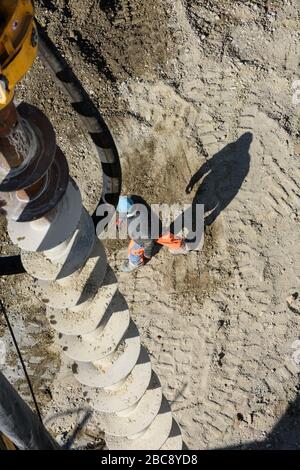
18 45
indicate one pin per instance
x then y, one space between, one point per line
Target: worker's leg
175 245
135 257
135 253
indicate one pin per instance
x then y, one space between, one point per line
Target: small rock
293 302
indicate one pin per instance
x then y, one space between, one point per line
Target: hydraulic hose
10 265
90 117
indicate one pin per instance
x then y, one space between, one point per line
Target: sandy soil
183 84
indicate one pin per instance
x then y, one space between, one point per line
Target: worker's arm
205 168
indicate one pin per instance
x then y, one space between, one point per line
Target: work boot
180 251
128 267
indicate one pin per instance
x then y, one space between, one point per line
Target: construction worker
140 220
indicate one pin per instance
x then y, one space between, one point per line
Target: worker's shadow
221 177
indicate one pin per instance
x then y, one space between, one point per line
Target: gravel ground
183 84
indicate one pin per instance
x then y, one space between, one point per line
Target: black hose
10 265
94 125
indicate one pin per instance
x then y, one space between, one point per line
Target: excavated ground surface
182 83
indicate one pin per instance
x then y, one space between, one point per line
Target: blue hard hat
125 205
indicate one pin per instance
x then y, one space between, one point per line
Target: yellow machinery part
18 45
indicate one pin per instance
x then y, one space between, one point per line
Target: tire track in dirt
238 388
257 381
